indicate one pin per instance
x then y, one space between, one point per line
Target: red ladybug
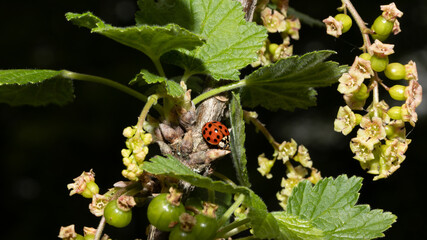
216 134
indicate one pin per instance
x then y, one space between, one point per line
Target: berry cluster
168 214
273 15
381 141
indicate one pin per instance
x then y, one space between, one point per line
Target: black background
42 149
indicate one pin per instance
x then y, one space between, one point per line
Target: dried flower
413 94
353 102
293 27
381 49
362 67
67 233
372 131
396 27
409 114
98 204
89 231
350 82
390 12
333 27
411 71
274 21
345 121
125 203
79 184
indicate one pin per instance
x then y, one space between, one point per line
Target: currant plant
211 42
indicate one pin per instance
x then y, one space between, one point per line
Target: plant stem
235 231
107 82
231 209
231 226
152 100
100 229
104 81
159 67
366 44
360 23
252 117
219 90
223 178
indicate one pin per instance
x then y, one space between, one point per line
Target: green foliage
231 42
237 140
34 87
330 206
289 83
170 87
154 41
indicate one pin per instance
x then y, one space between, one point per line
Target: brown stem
247 115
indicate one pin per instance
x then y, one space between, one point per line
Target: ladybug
217 134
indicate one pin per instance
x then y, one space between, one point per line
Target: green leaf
172 167
289 83
231 42
34 87
171 87
263 223
154 41
330 206
292 227
237 140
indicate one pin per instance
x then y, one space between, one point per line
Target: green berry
395 71
272 48
362 93
397 92
161 212
382 38
115 216
365 56
345 20
379 64
205 228
90 237
390 131
382 26
79 237
90 190
178 234
395 113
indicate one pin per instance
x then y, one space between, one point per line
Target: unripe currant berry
90 190
379 64
362 93
365 56
397 92
382 27
395 113
395 71
390 131
272 48
345 20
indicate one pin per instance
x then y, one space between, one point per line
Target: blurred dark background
42 149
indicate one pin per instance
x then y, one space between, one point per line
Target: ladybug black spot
210 125
215 140
216 130
208 138
210 133
220 126
204 132
217 136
